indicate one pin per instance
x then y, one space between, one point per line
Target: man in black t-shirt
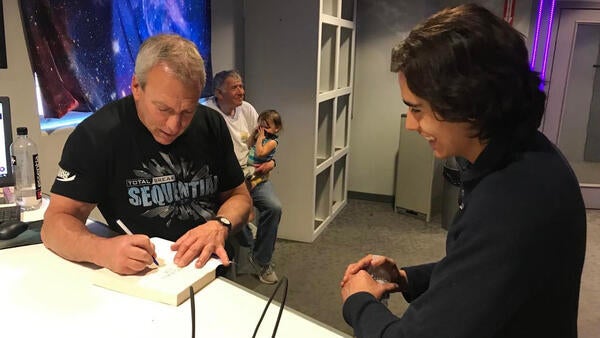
156 160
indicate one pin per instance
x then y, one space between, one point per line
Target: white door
572 117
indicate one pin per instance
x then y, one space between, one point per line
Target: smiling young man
515 249
158 161
446 139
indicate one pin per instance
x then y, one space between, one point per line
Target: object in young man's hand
381 276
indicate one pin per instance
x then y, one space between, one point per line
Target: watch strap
224 222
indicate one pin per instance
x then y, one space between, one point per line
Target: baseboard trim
370 197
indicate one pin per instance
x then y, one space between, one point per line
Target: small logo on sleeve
64 176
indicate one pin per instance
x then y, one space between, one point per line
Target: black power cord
193 312
285 290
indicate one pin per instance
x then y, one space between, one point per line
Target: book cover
167 284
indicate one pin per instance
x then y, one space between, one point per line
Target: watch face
224 220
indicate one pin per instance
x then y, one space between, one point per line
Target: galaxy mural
83 51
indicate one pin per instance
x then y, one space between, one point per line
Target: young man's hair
472 66
179 54
221 76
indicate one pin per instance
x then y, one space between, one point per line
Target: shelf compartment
322 197
333 94
329 7
323 164
320 161
325 131
345 60
339 152
342 115
333 21
339 183
347 10
327 63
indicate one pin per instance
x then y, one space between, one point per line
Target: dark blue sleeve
418 280
367 315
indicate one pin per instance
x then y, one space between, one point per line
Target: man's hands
357 279
209 238
265 167
64 232
202 241
128 254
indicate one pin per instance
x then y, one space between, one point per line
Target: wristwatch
224 221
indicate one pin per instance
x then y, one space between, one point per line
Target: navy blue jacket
514 255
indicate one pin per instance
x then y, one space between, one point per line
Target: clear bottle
381 276
28 189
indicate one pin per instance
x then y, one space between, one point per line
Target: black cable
281 307
285 290
193 305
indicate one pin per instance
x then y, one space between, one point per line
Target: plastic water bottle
28 188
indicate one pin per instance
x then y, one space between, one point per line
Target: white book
167 284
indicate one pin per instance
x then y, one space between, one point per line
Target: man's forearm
69 237
237 207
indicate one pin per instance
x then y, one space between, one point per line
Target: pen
127 231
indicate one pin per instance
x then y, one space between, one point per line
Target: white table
44 295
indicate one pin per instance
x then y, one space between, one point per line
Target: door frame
566 28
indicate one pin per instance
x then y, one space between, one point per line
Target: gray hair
179 54
221 76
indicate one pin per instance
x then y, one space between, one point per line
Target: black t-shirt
111 159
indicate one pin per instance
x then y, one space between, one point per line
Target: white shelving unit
300 61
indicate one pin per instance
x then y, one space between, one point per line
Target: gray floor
315 269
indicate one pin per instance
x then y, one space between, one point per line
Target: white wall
377 104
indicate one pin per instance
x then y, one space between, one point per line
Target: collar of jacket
497 154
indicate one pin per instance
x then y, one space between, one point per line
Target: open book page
166 284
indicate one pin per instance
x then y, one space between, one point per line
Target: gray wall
377 104
227 45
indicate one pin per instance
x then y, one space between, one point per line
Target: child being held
263 143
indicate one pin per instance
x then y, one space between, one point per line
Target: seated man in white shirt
241 118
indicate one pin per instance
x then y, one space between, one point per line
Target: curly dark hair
471 66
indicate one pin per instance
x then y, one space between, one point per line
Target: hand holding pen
128 232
